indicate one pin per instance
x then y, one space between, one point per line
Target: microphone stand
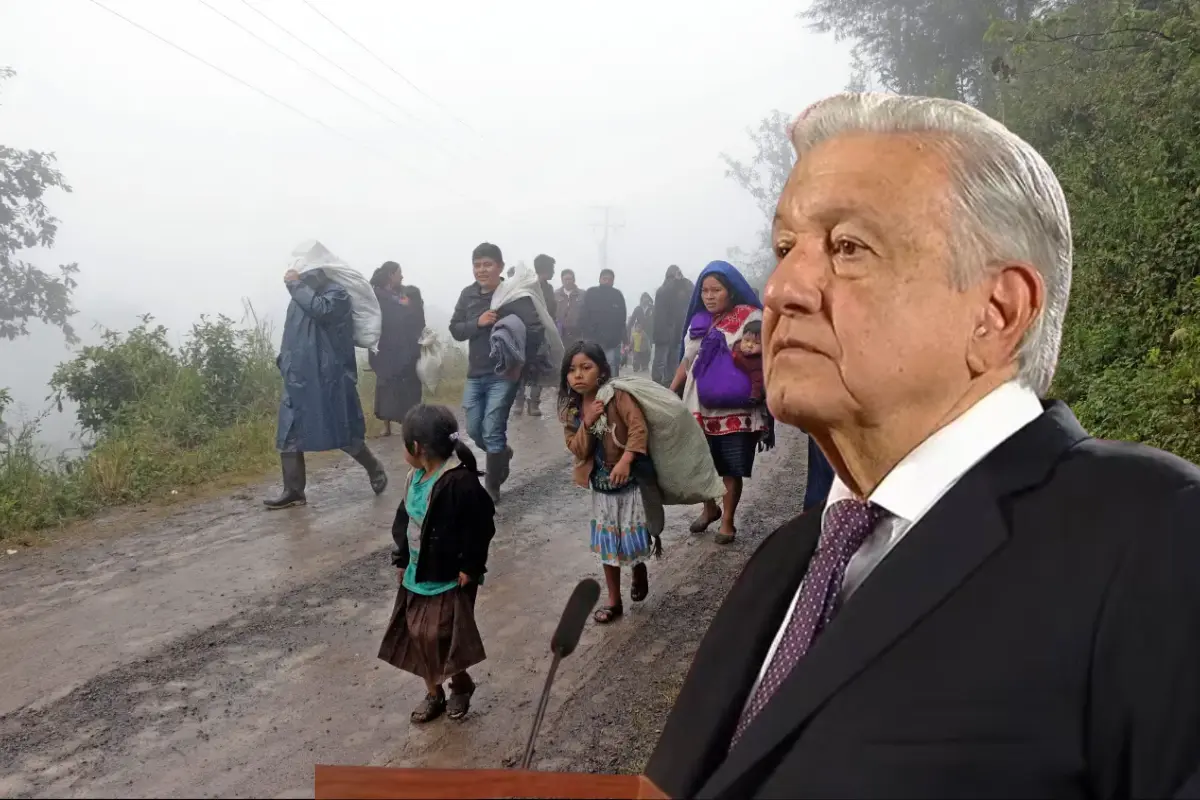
541 712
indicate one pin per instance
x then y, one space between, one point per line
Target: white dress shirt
921 479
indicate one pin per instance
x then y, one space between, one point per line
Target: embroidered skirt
620 535
433 636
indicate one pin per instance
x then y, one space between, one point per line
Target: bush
161 419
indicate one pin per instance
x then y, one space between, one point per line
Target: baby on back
747 355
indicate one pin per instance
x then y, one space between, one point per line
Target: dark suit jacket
1036 634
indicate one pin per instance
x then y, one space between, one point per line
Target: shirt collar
935 465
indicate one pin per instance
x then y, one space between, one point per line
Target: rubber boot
379 478
492 475
294 479
535 402
505 462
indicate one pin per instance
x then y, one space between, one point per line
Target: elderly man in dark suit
990 603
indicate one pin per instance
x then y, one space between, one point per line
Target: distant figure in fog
538 369
442 531
604 318
320 408
397 386
568 301
669 323
640 323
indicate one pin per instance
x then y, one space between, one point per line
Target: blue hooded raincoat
742 295
320 408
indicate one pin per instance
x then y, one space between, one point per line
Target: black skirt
733 453
395 397
433 636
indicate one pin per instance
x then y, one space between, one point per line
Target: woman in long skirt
397 386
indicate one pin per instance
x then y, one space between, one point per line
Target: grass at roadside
164 422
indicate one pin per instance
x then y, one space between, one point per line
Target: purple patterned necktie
848 523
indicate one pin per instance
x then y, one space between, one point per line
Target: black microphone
562 644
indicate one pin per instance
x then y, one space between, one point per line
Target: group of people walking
701 340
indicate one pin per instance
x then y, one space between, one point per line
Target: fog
190 190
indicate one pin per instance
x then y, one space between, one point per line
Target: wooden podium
384 783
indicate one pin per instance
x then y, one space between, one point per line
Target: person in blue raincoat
320 409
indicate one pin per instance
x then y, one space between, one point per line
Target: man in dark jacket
489 396
537 370
670 307
320 408
568 302
604 318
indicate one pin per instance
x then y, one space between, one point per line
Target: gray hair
1010 205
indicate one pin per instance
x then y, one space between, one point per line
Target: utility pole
606 227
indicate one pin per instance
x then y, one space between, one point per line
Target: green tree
763 177
27 292
1108 92
936 48
108 379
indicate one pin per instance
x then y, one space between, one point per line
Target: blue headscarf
740 294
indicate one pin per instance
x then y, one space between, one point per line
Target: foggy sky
191 190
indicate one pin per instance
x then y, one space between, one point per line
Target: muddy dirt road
222 651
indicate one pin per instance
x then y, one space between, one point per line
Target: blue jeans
614 359
487 402
820 477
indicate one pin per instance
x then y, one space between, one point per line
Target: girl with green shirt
441 532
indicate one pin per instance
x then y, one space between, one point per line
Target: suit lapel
953 540
697 733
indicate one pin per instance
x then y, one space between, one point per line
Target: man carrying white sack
320 409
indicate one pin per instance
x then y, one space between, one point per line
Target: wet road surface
220 650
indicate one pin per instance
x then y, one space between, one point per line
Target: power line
250 86
226 73
394 71
283 103
296 61
338 66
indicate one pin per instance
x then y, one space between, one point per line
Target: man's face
568 281
487 272
546 274
861 319
607 279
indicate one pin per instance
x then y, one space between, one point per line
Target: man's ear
1014 296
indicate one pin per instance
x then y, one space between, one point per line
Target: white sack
524 283
368 319
677 444
429 365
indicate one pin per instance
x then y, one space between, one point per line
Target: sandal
605 615
459 704
725 538
641 587
430 709
704 522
